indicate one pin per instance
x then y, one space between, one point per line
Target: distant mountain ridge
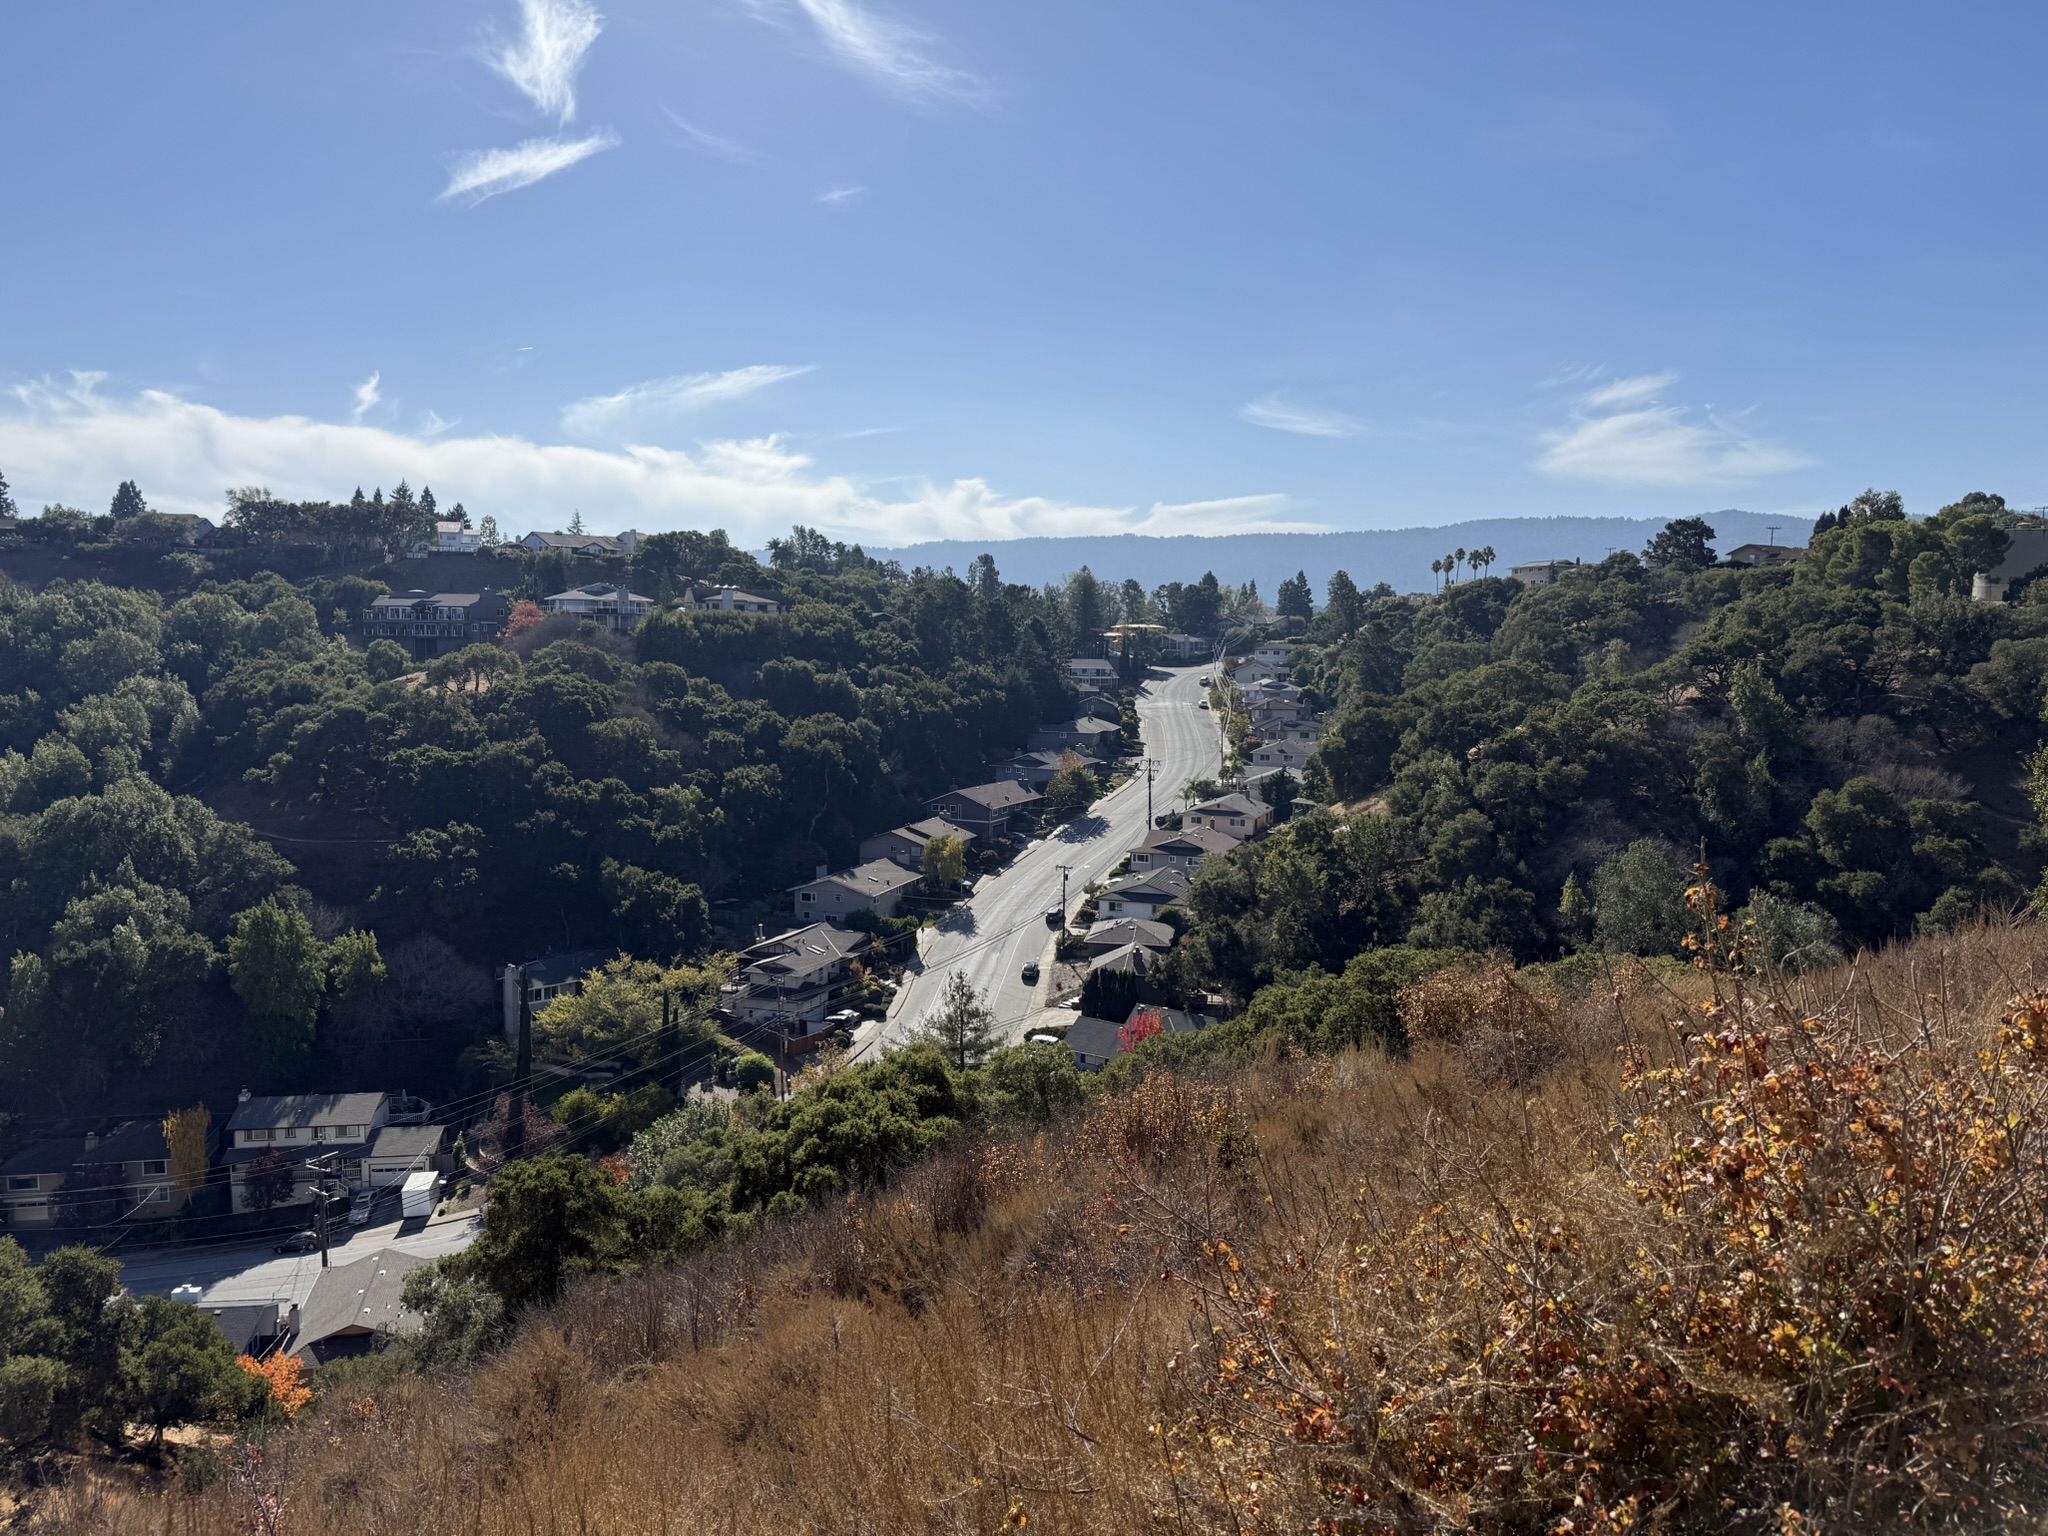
1398 556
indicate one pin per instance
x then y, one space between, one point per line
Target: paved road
995 931
253 1272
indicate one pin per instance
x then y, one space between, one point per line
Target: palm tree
1483 558
1436 568
1460 557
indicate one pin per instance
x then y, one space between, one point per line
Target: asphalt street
253 1271
992 934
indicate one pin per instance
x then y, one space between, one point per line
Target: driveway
991 934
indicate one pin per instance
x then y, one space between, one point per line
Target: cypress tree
128 502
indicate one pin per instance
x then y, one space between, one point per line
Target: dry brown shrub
1778 1267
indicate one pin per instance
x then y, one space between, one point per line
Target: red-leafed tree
1143 1025
269 1179
523 617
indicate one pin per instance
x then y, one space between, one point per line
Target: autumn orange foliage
286 1375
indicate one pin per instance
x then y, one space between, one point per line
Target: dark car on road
1031 973
300 1242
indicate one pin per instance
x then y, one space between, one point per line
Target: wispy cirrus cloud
367 396
1623 433
542 62
65 441
480 173
1280 415
841 197
891 53
640 405
713 144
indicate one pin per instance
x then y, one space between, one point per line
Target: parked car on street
307 1241
1031 973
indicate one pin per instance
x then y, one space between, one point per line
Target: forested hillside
1535 770
231 838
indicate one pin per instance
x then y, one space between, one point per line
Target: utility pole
320 1200
522 1075
1151 767
1065 870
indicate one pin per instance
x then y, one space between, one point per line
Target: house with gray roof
297 1127
905 844
990 810
876 886
352 1306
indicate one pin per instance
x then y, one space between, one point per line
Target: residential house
451 538
352 1305
1291 755
1143 895
793 982
430 624
876 886
1277 729
94 1179
1541 573
1251 671
575 543
1237 815
1099 706
1092 671
1094 1042
1097 1042
1128 959
1181 850
253 1327
1112 933
1036 769
300 1126
603 604
1186 648
2027 553
549 977
1758 555
990 811
905 844
707 598
397 1151
1086 735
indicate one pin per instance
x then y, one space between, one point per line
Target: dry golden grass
1538 1278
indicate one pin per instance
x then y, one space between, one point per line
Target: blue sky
976 271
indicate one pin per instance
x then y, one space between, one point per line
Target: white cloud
367 396
542 64
481 173
67 442
1621 435
640 404
716 145
840 197
889 53
1626 393
1305 420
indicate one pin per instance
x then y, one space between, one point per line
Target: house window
290 1133
319 1133
260 1135
156 1195
807 896
154 1166
24 1181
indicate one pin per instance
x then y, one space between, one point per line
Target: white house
601 603
1541 573
1291 755
297 1127
1143 895
728 600
576 543
1236 815
1092 671
452 538
1181 850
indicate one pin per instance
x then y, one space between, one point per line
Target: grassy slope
1502 1285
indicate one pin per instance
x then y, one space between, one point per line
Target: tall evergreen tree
128 502
428 508
6 499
